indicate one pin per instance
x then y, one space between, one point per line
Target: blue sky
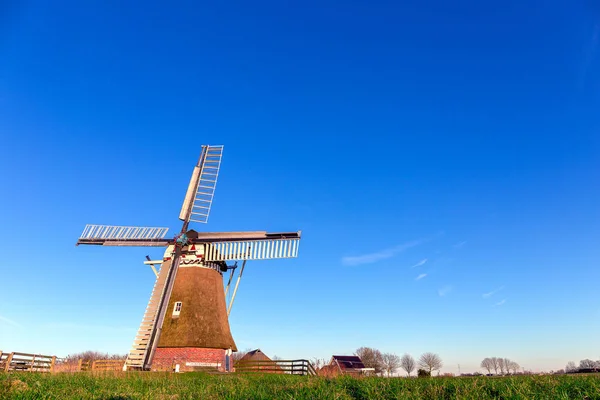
441 160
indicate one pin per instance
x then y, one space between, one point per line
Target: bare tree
372 358
318 363
495 364
391 362
506 363
430 362
571 367
237 356
487 364
501 365
276 358
587 363
513 366
407 363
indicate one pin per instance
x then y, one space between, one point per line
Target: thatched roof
202 321
255 355
256 360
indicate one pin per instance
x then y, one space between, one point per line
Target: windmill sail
253 245
199 196
253 250
109 235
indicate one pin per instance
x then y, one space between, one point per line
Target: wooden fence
16 361
84 365
293 367
41 363
108 365
26 362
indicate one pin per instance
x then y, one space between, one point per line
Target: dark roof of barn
349 362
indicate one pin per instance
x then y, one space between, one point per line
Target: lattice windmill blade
110 235
284 246
201 190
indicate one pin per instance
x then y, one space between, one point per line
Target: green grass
250 386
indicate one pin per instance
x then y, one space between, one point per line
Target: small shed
344 365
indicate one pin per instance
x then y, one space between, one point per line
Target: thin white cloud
493 292
500 302
461 244
380 255
418 278
445 290
10 322
423 261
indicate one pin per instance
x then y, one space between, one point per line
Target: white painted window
176 309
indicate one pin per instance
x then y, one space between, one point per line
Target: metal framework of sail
109 235
253 250
201 190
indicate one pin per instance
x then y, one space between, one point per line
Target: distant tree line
586 365
389 363
93 356
500 366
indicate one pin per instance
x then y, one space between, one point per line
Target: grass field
247 386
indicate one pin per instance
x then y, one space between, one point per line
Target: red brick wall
165 359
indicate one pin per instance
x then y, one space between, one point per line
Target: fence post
32 363
93 365
52 363
8 361
79 365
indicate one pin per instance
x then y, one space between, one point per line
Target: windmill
186 320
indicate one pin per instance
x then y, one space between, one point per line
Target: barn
345 365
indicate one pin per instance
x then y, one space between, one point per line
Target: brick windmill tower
186 321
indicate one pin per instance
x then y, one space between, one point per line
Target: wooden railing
26 362
107 365
293 367
84 365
